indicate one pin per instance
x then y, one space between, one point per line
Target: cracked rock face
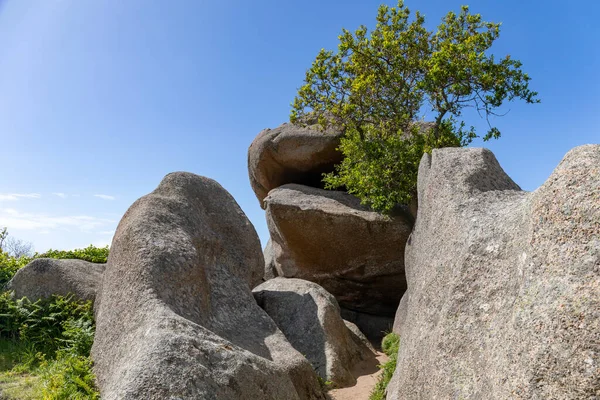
291 154
176 318
329 238
503 295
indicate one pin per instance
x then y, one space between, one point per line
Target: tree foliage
378 85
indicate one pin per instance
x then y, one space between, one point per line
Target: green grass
19 386
44 349
17 380
390 345
28 375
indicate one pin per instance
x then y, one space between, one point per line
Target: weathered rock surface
270 270
309 317
360 338
331 239
176 318
44 277
291 154
503 297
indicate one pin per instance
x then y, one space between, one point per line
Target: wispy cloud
43 222
105 196
61 195
107 232
17 196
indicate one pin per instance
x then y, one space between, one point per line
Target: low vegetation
390 346
45 345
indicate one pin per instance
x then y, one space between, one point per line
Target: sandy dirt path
367 373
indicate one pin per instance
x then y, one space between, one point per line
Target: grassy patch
19 386
66 377
44 349
390 346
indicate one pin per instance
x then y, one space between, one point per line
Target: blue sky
100 99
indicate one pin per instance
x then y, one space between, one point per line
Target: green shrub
47 325
69 377
10 265
390 346
52 339
45 345
91 253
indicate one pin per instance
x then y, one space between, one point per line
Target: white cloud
16 196
107 232
14 219
61 195
105 196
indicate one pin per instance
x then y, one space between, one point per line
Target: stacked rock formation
503 297
175 314
291 154
327 237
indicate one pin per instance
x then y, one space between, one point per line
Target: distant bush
390 346
91 253
10 265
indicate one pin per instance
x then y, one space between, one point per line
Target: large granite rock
503 297
331 239
44 277
176 318
291 154
309 317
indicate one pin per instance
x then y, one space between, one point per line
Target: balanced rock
176 318
44 277
329 238
503 297
309 317
291 154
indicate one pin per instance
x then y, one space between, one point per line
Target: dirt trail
366 373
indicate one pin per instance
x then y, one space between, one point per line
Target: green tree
378 85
